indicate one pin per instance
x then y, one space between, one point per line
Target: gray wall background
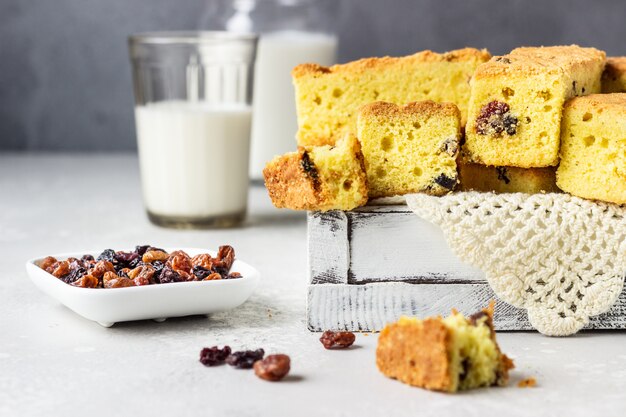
65 78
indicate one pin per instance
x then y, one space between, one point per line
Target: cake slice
411 148
451 354
327 98
516 102
593 148
614 76
475 177
319 177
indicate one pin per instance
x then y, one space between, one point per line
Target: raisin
495 118
201 272
168 275
124 259
142 275
214 356
339 340
77 270
101 267
204 260
87 281
158 268
273 368
450 146
308 166
47 263
503 59
233 275
245 359
212 277
502 175
154 255
445 181
179 261
61 269
141 249
107 255
221 270
226 255
112 280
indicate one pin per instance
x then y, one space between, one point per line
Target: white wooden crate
369 266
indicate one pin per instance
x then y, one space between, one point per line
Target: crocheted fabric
560 257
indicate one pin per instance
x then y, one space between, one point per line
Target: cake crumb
527 383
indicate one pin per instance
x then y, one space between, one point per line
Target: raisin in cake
327 98
516 103
451 354
319 177
614 76
593 148
475 177
409 148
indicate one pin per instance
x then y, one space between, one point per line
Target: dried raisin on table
273 367
337 340
245 359
214 356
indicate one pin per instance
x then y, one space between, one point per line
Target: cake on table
593 148
319 177
476 177
451 354
614 76
327 98
516 103
410 148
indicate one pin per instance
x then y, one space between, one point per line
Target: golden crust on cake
319 178
328 98
459 55
451 354
426 109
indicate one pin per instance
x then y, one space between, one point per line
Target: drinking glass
193 96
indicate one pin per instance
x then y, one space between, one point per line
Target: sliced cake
593 148
327 98
319 177
516 103
475 177
614 76
410 148
451 354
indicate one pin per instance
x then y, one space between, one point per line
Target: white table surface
53 362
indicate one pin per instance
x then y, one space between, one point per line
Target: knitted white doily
560 257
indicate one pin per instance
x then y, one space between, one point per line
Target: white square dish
108 306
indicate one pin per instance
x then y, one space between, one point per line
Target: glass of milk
193 113
292 32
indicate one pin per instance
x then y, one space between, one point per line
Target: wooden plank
389 244
369 307
328 250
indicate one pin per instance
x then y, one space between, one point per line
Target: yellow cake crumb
451 354
516 103
411 148
327 98
593 148
319 177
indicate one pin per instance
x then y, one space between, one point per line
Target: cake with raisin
319 177
517 99
475 177
327 98
410 148
614 76
451 354
593 148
